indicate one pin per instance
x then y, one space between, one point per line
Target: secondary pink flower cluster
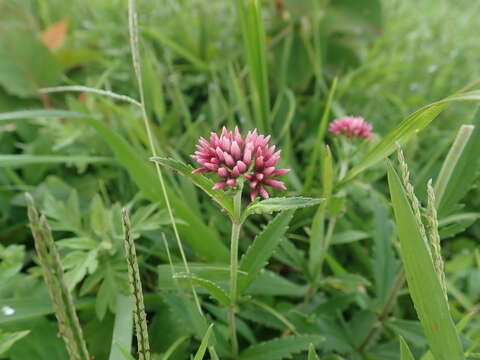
230 156
351 126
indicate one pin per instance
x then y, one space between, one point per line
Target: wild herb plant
342 277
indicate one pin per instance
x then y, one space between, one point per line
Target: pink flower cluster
230 156
351 127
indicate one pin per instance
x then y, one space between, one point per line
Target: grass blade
203 346
451 161
122 328
425 288
272 205
40 113
408 128
405 353
22 160
280 348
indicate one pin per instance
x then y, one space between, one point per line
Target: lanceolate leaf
213 289
282 348
272 205
262 248
464 173
203 346
405 353
312 355
201 181
425 288
203 240
408 128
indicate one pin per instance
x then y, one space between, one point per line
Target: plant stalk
236 227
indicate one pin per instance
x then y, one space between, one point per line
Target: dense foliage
359 258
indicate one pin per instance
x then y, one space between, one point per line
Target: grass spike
52 270
415 203
140 317
434 237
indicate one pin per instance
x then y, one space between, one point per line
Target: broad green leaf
463 175
405 353
272 205
202 239
407 129
203 346
225 201
22 160
7 339
425 288
13 310
262 248
185 311
25 63
280 348
213 289
40 113
312 355
122 328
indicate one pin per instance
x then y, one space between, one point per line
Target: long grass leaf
407 129
425 288
122 328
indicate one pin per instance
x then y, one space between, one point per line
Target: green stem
236 227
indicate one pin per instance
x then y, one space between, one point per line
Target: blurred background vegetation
390 58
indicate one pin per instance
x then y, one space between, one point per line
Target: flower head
231 156
351 127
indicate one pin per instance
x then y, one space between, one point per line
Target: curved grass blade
405 353
425 288
203 346
408 128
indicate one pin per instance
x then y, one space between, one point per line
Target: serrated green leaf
425 288
405 353
280 348
262 248
98 216
312 355
272 205
407 129
203 346
213 289
225 201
